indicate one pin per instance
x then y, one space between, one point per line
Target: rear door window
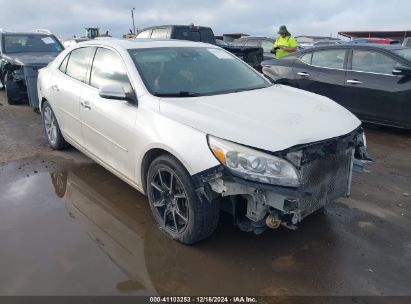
374 62
78 63
329 58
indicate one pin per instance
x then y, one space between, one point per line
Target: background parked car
252 55
373 40
373 81
307 41
326 42
22 54
264 42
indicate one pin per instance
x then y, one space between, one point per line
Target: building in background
394 35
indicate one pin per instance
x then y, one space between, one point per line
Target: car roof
390 47
145 43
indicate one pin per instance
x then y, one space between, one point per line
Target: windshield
194 71
30 43
404 53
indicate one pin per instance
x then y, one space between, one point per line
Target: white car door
66 84
108 124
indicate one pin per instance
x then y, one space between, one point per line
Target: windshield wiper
179 94
249 89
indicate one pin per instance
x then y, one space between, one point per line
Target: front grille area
326 178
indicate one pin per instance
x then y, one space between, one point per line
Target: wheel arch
148 158
41 102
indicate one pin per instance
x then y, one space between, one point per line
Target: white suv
198 130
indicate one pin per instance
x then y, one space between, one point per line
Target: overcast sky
66 18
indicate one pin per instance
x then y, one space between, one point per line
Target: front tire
179 212
52 128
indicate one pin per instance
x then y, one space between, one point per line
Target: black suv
251 55
22 54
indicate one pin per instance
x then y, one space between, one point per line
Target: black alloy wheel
178 210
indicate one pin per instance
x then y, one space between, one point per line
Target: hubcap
50 125
170 200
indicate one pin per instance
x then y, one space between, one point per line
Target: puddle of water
83 231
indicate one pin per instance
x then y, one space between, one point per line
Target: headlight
254 165
18 74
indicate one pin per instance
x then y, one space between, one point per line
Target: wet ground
69 227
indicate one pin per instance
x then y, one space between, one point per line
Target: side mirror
401 70
112 91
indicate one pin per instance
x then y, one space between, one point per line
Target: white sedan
198 130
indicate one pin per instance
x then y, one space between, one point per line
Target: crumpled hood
40 58
272 119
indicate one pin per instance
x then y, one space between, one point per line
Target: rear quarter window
306 58
63 64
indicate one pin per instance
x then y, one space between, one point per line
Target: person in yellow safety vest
285 43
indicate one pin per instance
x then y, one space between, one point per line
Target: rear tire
176 207
52 128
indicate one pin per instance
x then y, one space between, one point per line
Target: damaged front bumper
325 170
21 83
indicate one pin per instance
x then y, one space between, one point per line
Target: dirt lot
69 227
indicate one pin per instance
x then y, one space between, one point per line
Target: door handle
354 81
303 74
55 87
85 105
